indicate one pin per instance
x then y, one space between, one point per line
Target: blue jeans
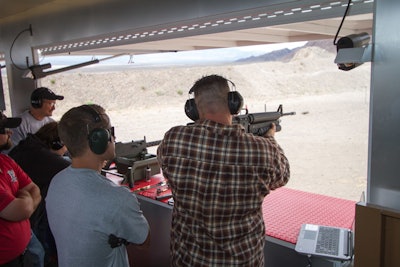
37 251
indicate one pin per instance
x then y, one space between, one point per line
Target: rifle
259 123
133 162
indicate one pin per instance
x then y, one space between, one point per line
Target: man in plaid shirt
219 176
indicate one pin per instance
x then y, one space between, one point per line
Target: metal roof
289 21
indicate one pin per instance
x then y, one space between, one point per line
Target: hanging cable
12 45
341 23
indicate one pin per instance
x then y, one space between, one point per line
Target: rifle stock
260 123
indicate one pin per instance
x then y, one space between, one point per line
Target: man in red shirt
19 197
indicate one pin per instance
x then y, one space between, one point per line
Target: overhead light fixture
352 51
37 71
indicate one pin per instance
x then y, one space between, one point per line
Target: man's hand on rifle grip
271 131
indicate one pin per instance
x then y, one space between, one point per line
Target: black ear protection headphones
99 137
36 102
56 144
235 103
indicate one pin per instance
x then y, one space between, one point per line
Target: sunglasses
4 130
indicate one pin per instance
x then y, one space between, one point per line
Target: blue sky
178 58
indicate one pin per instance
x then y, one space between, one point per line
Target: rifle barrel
264 116
289 113
153 143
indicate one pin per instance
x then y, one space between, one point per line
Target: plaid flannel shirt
219 176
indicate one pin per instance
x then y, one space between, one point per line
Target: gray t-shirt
83 209
28 125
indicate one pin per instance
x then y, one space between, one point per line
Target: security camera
360 40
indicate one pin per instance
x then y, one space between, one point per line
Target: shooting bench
284 211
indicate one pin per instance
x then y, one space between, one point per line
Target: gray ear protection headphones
99 137
235 103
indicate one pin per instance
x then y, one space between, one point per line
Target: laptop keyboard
328 241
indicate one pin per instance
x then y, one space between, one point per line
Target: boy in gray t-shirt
84 208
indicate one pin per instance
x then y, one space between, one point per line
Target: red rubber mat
285 210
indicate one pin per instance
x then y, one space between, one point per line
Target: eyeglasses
51 103
4 130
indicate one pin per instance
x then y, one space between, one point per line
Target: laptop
325 241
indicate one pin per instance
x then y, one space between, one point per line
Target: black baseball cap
9 122
45 93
